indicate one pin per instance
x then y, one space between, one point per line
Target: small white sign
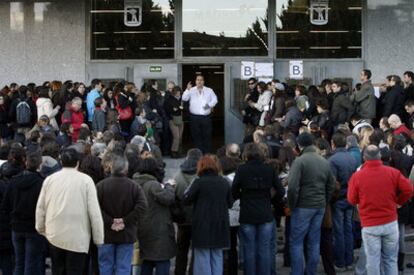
247 70
251 69
296 69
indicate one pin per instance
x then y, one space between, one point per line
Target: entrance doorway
214 79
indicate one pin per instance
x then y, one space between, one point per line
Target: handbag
177 120
124 114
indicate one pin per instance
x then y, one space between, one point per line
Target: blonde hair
364 135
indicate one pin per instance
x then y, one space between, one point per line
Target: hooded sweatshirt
20 200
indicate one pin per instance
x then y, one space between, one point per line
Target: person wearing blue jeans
257 247
29 253
115 258
342 233
305 222
208 261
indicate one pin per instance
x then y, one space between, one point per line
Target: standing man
311 185
409 86
67 214
92 95
364 99
342 166
202 100
342 108
379 190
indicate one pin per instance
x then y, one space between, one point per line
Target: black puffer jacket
342 109
7 171
19 203
393 101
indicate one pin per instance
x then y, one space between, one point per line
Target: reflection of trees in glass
254 42
145 41
295 30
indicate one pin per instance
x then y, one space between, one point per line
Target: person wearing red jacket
378 190
397 126
73 115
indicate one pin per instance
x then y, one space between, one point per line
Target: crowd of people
82 179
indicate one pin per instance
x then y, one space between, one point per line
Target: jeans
29 253
273 249
342 233
208 261
381 248
115 258
161 267
183 246
305 222
65 262
256 241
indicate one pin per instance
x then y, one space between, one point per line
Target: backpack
23 113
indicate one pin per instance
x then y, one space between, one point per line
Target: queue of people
82 179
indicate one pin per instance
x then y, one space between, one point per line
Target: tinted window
112 39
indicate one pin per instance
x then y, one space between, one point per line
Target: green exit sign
155 69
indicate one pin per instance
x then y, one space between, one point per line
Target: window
225 28
113 39
319 29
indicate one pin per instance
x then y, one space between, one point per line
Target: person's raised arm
187 93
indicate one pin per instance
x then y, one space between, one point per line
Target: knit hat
305 139
190 163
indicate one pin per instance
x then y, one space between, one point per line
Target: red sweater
400 130
378 190
75 119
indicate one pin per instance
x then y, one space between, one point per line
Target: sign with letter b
296 69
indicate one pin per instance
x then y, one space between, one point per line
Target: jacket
184 179
393 102
293 119
7 171
45 107
364 101
75 119
377 190
120 197
211 197
311 182
33 110
262 102
401 130
156 233
342 166
19 202
90 103
342 108
69 195
409 92
99 120
171 103
356 154
252 184
324 122
277 107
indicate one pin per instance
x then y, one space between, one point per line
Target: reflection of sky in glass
280 6
231 18
39 11
16 16
165 6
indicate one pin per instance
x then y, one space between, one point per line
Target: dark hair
228 165
84 133
322 103
367 73
34 136
98 102
410 74
199 75
397 80
208 163
252 152
286 156
44 92
252 79
95 82
50 149
262 86
33 161
92 166
301 89
69 158
305 139
325 82
356 117
4 151
339 140
385 121
17 156
409 103
177 89
376 137
290 103
150 166
323 145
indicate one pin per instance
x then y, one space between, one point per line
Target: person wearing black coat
174 115
342 108
13 166
253 184
393 100
19 206
211 197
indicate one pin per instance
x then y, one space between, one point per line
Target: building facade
170 40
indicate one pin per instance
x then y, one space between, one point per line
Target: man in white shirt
202 100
